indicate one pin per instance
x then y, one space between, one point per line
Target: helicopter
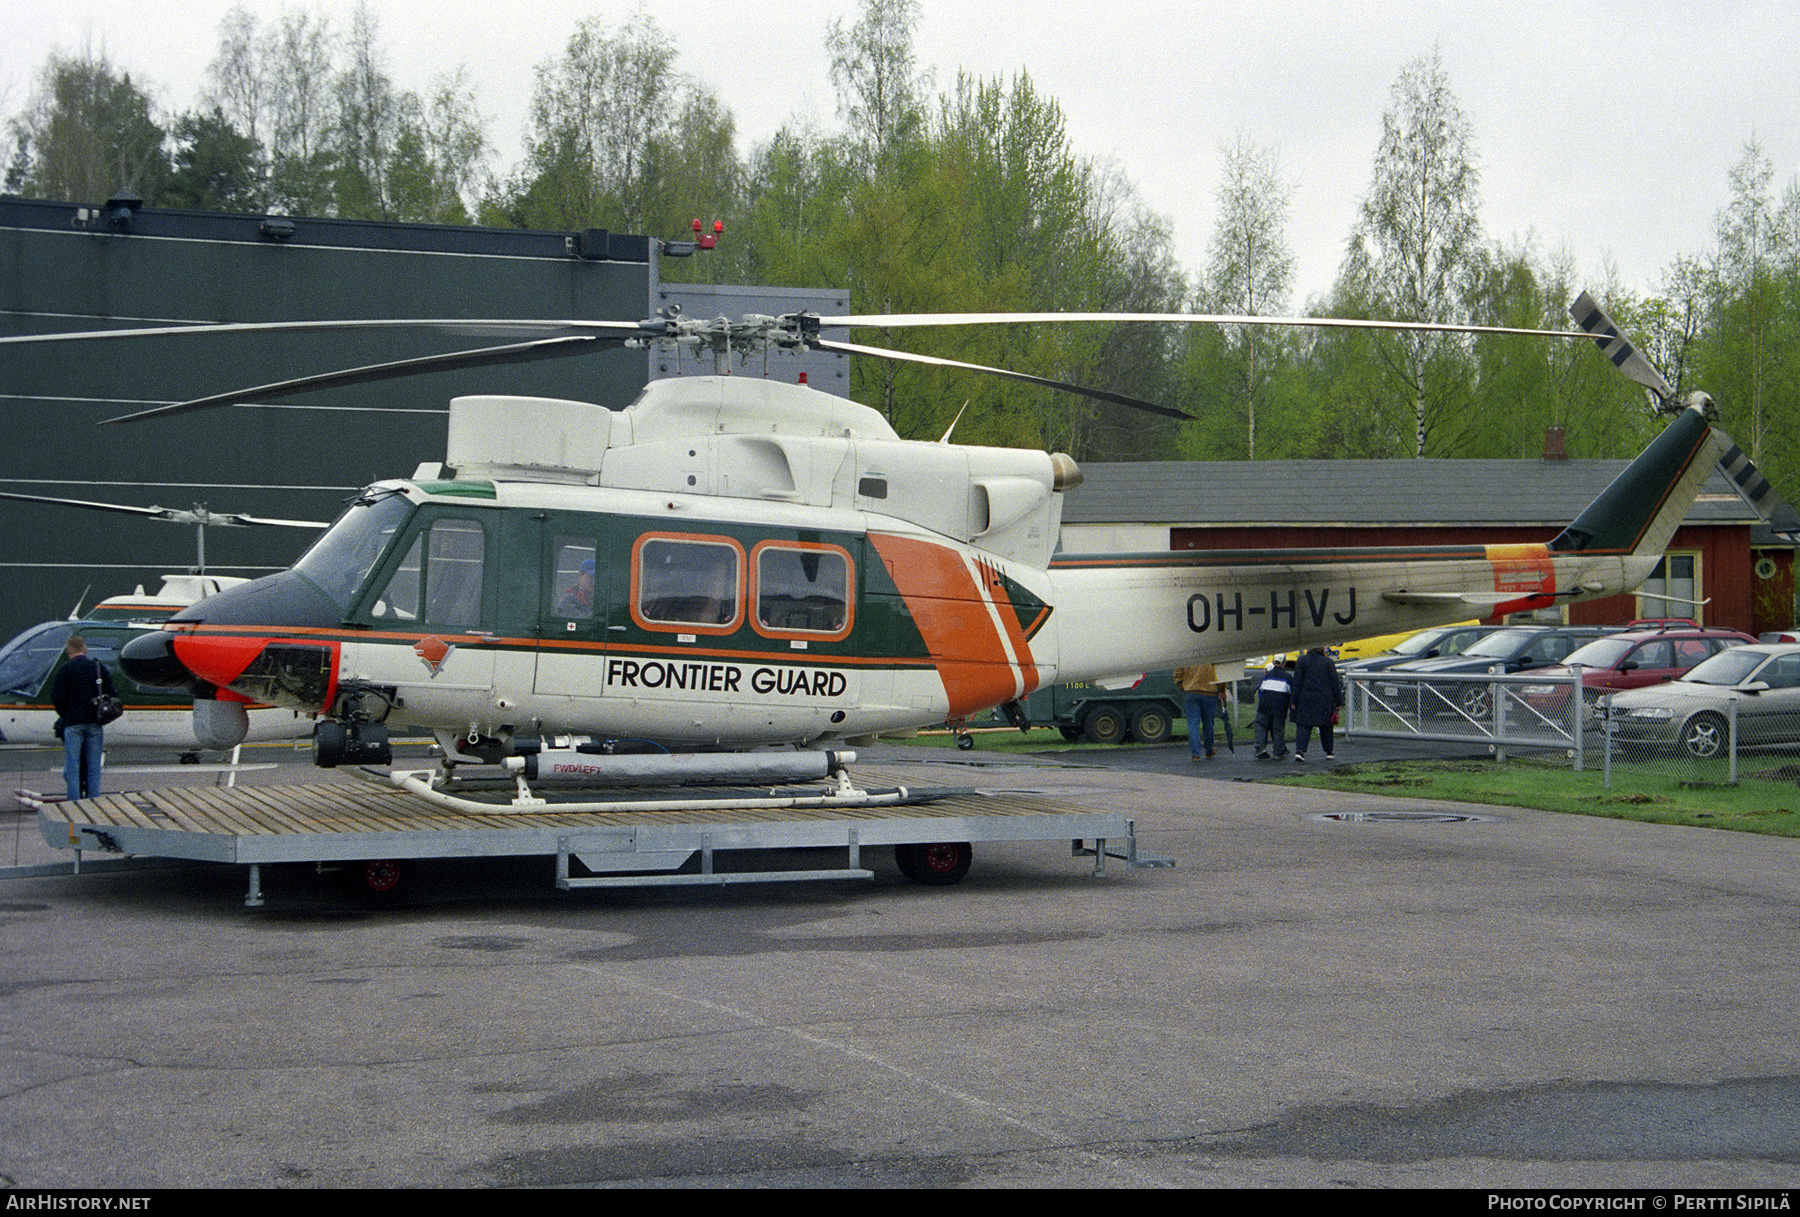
732 563
155 717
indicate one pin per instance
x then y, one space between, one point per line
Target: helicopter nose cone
149 660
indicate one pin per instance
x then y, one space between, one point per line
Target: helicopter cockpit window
688 584
802 589
340 560
28 658
438 582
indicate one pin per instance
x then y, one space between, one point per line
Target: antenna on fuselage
953 423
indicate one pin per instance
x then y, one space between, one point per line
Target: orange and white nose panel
281 671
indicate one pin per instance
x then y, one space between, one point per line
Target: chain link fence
1728 737
1501 713
1701 737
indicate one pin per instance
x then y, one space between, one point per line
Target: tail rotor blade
1755 489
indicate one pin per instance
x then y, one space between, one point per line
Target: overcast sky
1604 129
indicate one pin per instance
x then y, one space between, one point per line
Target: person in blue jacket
1273 696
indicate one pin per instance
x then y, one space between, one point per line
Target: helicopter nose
241 639
150 660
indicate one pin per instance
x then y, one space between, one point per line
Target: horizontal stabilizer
1401 596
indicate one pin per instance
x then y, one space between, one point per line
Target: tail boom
1123 612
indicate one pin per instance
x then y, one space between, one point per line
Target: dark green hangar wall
65 267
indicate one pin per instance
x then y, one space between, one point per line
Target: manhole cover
1404 817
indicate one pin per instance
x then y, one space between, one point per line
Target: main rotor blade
492 327
172 515
1615 346
907 320
523 352
238 517
159 512
851 348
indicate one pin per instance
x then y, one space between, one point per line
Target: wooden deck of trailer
346 820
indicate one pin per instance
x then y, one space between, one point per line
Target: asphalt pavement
1326 991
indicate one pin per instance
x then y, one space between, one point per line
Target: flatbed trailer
377 830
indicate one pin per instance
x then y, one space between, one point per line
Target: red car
1630 661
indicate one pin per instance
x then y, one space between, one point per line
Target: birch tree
88 132
1417 246
1250 270
1747 345
881 93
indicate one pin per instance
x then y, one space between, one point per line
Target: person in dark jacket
1272 698
73 693
1318 695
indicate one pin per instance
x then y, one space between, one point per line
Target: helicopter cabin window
438 582
802 590
688 584
572 578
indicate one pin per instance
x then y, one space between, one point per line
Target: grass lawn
1044 739
1766 799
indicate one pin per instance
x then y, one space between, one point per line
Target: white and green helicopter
730 563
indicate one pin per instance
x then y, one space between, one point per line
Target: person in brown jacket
1202 692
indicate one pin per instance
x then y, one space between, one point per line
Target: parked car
1422 644
1762 682
1382 644
1512 649
1631 660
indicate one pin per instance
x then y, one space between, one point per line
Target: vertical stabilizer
1644 506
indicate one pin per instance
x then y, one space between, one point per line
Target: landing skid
489 796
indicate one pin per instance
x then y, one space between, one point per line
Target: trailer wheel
1104 724
1150 725
379 881
965 741
938 864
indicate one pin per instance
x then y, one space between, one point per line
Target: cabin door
576 600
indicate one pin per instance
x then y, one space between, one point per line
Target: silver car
1761 683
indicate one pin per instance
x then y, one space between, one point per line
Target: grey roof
1362 492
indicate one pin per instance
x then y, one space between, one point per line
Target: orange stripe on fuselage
995 587
953 613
